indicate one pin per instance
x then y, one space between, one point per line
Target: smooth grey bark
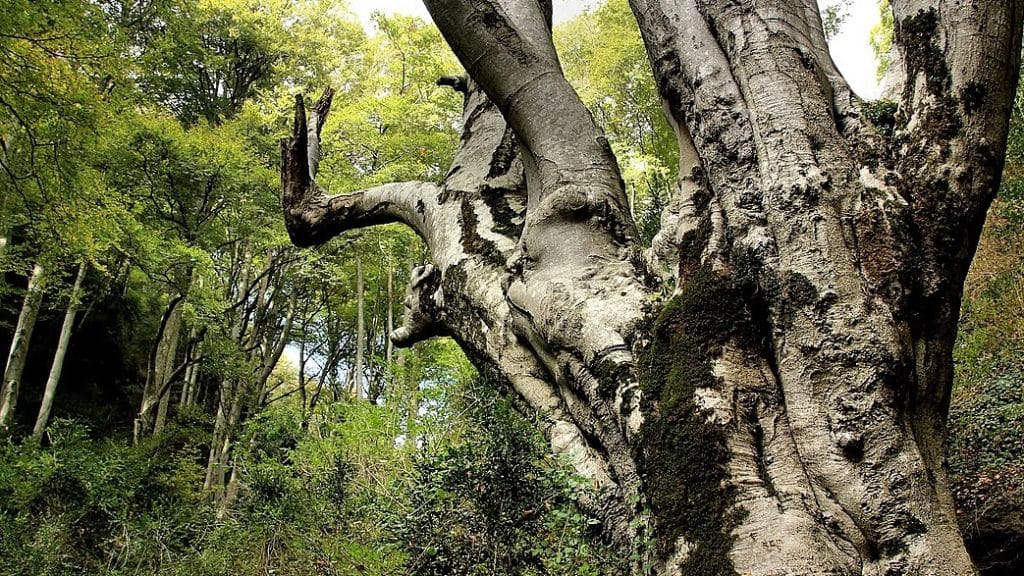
19 344
165 366
189 389
390 326
229 391
157 383
783 411
50 392
262 316
271 349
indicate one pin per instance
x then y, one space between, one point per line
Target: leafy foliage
495 503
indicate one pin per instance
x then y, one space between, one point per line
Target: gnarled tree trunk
765 390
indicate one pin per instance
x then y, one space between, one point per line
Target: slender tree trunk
155 387
275 344
229 390
357 374
220 424
165 365
192 372
19 344
233 485
229 414
302 379
389 346
58 357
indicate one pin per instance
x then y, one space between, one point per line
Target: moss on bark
681 450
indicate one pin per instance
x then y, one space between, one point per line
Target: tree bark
19 345
165 365
188 387
389 346
156 387
57 367
764 391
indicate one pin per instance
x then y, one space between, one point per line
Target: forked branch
311 216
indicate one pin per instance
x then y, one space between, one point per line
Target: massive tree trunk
19 345
765 390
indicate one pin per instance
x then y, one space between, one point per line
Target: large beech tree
765 390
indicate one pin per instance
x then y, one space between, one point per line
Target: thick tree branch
709 114
421 308
959 65
506 47
312 217
457 83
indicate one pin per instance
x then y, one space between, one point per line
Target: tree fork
782 413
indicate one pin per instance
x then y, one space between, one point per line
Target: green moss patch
681 453
881 113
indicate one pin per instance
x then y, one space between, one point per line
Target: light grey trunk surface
357 369
19 344
50 392
165 366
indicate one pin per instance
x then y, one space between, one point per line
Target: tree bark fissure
783 411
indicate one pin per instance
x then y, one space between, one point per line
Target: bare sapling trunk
157 385
302 379
262 327
188 386
19 345
389 346
357 368
165 365
764 391
237 292
50 392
